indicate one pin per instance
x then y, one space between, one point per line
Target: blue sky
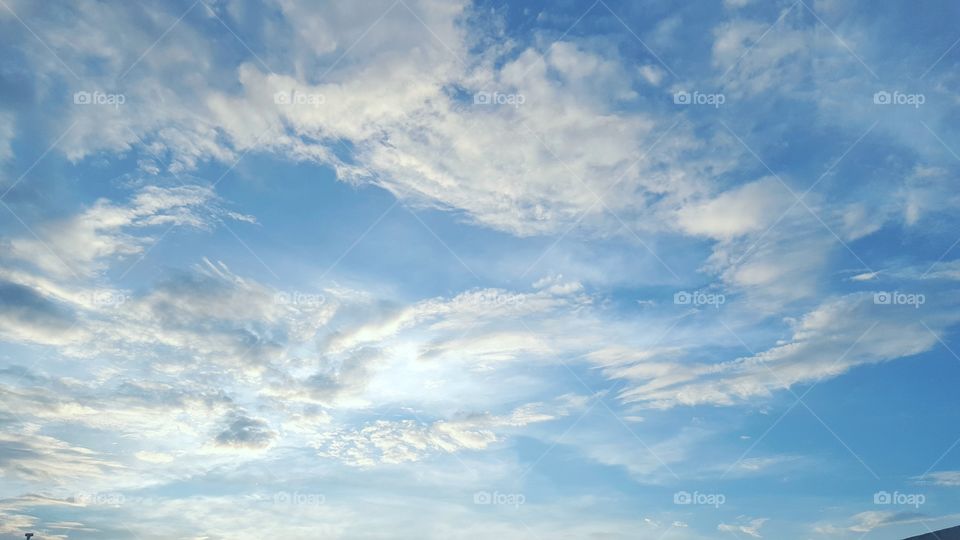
451 269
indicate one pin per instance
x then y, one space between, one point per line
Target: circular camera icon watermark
84 97
295 97
715 500
297 298
683 97
498 98
699 298
297 498
897 298
896 498
500 499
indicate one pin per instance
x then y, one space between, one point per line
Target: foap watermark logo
698 298
497 98
884 97
84 97
297 298
499 499
99 499
494 299
295 97
108 299
715 500
887 498
683 97
296 498
897 298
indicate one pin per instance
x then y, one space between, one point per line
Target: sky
450 269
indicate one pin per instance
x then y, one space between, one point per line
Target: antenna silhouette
29 536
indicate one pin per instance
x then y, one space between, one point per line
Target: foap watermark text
899 499
884 97
497 98
683 97
897 298
698 298
715 500
499 499
97 97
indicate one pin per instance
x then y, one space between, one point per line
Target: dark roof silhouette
953 533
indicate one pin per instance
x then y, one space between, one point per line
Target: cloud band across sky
536 270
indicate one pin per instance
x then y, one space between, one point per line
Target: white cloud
653 74
735 38
927 190
750 528
207 360
941 478
154 457
828 341
403 101
750 208
31 457
865 522
84 242
778 264
393 442
31 317
243 431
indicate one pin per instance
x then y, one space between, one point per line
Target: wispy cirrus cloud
522 316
